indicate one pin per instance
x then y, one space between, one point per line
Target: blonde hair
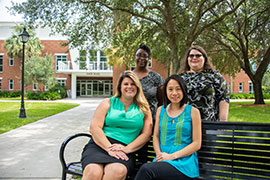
139 98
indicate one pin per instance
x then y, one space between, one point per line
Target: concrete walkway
32 151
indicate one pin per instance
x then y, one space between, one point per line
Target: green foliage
14 46
9 112
61 90
168 27
42 95
266 78
9 94
240 41
266 89
266 95
39 69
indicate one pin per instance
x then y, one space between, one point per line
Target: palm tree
13 44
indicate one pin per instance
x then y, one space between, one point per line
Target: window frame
240 87
35 86
11 59
1 62
56 59
11 84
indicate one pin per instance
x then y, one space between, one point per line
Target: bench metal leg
64 175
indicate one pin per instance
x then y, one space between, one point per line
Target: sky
5 15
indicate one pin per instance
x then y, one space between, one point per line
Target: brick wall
234 82
14 72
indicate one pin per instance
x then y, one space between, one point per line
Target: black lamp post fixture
24 36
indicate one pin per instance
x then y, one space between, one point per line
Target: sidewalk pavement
31 152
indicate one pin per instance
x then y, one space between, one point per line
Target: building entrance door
107 89
86 89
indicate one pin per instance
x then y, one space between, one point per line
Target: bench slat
230 150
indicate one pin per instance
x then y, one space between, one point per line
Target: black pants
159 171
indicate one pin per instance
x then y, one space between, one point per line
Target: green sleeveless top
120 125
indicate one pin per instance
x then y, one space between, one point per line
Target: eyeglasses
194 55
142 56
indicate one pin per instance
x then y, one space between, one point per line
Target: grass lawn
249 114
9 113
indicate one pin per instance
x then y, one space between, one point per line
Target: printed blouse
205 90
150 84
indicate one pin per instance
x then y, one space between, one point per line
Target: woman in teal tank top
120 126
177 136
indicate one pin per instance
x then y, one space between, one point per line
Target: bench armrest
64 144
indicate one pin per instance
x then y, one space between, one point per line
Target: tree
243 40
169 26
14 46
40 70
266 79
37 68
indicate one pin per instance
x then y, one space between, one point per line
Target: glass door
83 89
107 89
86 89
89 89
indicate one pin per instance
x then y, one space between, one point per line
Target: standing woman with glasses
151 81
206 87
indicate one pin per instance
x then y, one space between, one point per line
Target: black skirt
92 153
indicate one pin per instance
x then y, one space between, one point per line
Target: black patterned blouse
205 90
150 83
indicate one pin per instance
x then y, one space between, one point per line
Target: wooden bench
230 150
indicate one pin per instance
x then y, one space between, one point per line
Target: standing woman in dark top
151 81
206 87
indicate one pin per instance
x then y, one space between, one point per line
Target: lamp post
24 36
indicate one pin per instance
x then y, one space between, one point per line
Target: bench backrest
229 150
235 150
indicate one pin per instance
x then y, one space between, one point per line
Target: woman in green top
120 126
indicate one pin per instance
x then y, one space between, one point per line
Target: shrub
242 96
266 95
15 94
266 89
10 94
62 90
4 94
32 95
43 95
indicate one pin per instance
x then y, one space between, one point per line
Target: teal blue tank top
120 125
175 136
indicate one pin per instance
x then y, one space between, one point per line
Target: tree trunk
257 86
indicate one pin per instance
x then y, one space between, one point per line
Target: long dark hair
183 86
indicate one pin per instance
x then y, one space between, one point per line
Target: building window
251 91
35 86
240 87
1 63
0 84
11 61
60 59
61 82
11 84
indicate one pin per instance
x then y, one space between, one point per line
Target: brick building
84 73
